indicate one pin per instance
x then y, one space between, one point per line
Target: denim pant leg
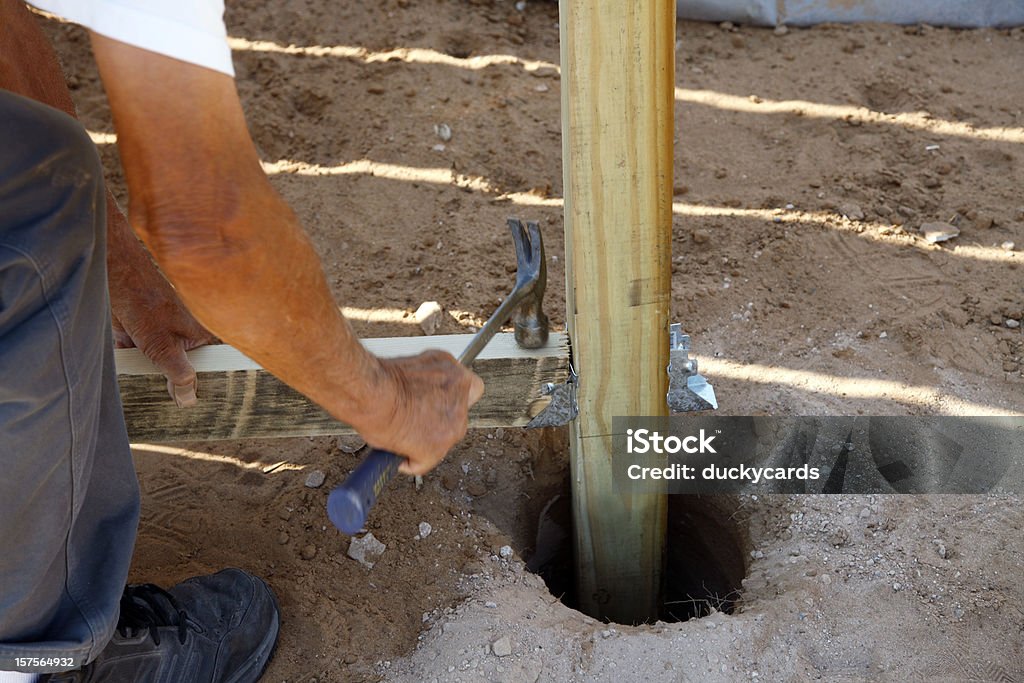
69 500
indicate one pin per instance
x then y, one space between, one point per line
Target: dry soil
806 162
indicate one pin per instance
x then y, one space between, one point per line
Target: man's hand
147 313
426 415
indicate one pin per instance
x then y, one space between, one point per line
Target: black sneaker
208 629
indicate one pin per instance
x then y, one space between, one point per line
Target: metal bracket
563 407
688 390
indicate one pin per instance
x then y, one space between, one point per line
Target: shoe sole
264 653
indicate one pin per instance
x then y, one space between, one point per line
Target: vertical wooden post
617 122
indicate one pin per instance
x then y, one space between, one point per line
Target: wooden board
239 399
617 103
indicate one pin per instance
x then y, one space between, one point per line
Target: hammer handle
349 504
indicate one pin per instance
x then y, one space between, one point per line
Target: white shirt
190 30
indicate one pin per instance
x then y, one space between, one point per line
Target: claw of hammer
529 321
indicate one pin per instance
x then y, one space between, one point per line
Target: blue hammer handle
349 505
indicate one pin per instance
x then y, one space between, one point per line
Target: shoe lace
146 606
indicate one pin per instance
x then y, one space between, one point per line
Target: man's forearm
242 263
233 249
213 275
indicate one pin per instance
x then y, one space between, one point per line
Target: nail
184 395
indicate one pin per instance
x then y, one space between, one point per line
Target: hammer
349 504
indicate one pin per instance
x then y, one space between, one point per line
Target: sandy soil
805 165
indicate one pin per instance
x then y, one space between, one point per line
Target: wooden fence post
617 124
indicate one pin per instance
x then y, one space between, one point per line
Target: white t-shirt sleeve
190 30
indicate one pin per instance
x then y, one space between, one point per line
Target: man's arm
146 311
239 259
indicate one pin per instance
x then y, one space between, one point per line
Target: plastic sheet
954 13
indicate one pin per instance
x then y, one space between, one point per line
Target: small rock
701 236
938 232
366 550
826 579
521 6
995 319
542 87
1007 246
851 211
1010 366
428 316
308 552
1012 324
940 548
282 538
505 552
781 30
897 586
502 647
350 443
450 481
756 554
490 605
883 335
983 221
476 488
443 131
315 479
425 529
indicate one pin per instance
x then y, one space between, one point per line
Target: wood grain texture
617 102
238 399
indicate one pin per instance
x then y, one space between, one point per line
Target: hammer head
529 321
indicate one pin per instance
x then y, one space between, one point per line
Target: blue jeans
69 499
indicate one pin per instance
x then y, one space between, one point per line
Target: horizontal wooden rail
239 399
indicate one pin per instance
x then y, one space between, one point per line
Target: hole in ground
705 559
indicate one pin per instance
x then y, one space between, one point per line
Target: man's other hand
147 313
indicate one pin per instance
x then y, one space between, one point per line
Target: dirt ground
806 162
